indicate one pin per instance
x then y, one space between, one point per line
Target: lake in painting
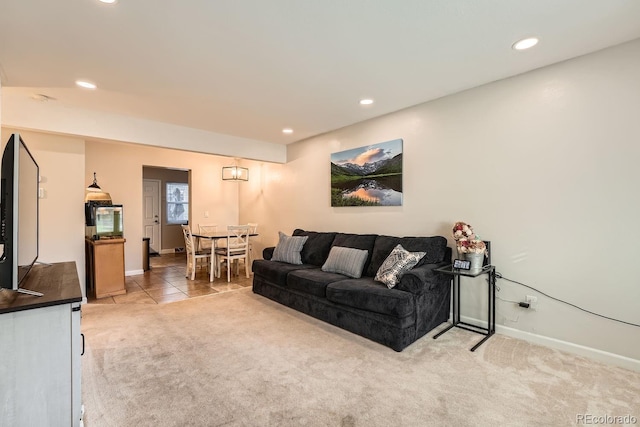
368 176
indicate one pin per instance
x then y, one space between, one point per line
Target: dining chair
193 255
253 229
207 229
236 249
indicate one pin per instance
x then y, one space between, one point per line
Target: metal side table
490 271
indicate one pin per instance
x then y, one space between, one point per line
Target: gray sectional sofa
393 317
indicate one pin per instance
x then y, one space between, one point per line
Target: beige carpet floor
238 359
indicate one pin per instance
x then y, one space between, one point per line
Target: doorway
151 214
159 208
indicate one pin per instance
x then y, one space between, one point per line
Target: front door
151 212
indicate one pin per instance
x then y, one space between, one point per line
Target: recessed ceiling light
366 101
108 1
525 43
85 84
287 130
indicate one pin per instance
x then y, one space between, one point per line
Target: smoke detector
42 97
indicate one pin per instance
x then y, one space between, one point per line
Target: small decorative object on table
469 245
461 264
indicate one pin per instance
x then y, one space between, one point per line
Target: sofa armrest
421 279
267 253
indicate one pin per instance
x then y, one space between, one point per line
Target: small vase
476 261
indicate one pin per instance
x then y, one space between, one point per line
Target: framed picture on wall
368 176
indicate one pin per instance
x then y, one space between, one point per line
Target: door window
177 203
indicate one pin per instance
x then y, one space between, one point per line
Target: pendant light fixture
96 195
235 173
94 186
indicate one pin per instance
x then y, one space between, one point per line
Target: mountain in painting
386 166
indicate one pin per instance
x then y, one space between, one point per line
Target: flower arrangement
467 242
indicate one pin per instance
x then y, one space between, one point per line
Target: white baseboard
133 272
569 347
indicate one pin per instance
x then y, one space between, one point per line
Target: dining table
216 235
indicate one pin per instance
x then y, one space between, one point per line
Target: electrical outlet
533 301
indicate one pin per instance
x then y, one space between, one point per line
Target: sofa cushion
317 247
288 248
312 281
347 261
358 241
276 272
267 253
435 248
422 279
367 294
397 263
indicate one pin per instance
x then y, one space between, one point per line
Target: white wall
54 117
542 164
61 162
263 201
119 172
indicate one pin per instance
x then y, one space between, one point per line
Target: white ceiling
252 67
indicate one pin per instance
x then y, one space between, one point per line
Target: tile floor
166 282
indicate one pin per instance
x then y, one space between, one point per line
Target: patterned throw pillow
288 248
397 263
347 261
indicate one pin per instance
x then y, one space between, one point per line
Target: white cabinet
77 350
40 348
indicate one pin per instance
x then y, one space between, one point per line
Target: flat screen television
18 214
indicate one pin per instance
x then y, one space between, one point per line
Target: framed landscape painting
368 176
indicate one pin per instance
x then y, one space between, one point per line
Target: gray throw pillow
397 263
347 261
288 248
